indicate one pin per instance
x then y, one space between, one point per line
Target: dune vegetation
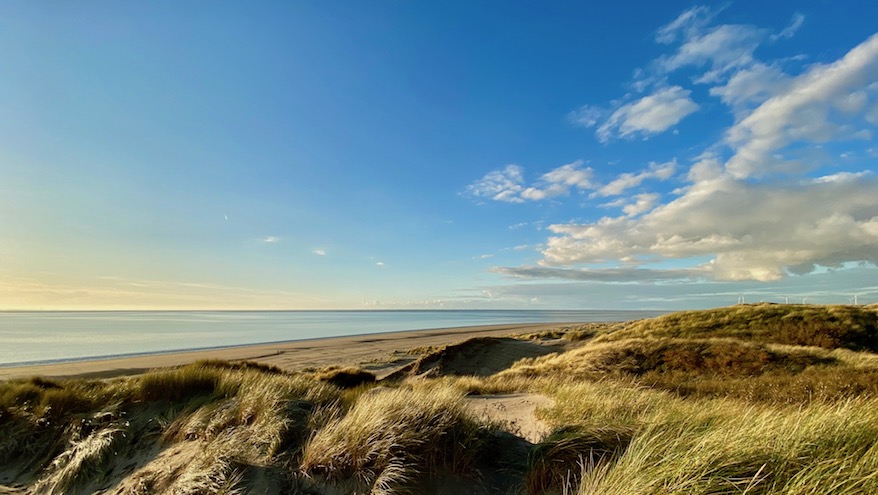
750 399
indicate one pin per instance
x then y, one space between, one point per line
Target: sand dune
480 356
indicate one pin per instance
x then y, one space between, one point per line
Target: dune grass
752 399
391 439
704 364
830 327
59 435
558 461
720 446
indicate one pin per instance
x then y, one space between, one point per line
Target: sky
437 154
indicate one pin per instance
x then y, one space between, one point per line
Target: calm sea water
46 337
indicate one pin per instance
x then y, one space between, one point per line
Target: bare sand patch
516 412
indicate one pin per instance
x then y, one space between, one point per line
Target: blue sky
415 155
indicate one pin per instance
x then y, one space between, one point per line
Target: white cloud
508 184
319 252
270 239
706 168
752 86
586 116
559 181
791 29
685 25
723 48
651 114
752 209
500 185
660 171
801 113
379 263
642 203
751 231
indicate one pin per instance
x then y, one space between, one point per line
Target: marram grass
753 399
405 433
721 446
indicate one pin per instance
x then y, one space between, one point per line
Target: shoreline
289 355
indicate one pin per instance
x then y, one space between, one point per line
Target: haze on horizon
420 155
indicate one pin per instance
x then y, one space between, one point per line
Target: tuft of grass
83 461
392 438
38 417
560 460
175 385
239 366
346 377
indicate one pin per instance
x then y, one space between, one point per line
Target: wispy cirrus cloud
625 181
791 29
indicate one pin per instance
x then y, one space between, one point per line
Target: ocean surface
57 336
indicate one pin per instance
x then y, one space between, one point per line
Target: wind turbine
853 299
804 299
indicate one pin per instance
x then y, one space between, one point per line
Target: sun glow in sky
408 155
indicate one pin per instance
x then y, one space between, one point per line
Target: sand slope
481 356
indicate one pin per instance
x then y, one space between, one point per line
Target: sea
46 337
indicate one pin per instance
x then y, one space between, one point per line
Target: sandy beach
379 352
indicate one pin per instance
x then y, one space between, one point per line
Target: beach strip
376 349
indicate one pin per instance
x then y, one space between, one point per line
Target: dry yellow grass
720 401
391 439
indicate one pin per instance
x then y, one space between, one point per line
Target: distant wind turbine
853 299
804 299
